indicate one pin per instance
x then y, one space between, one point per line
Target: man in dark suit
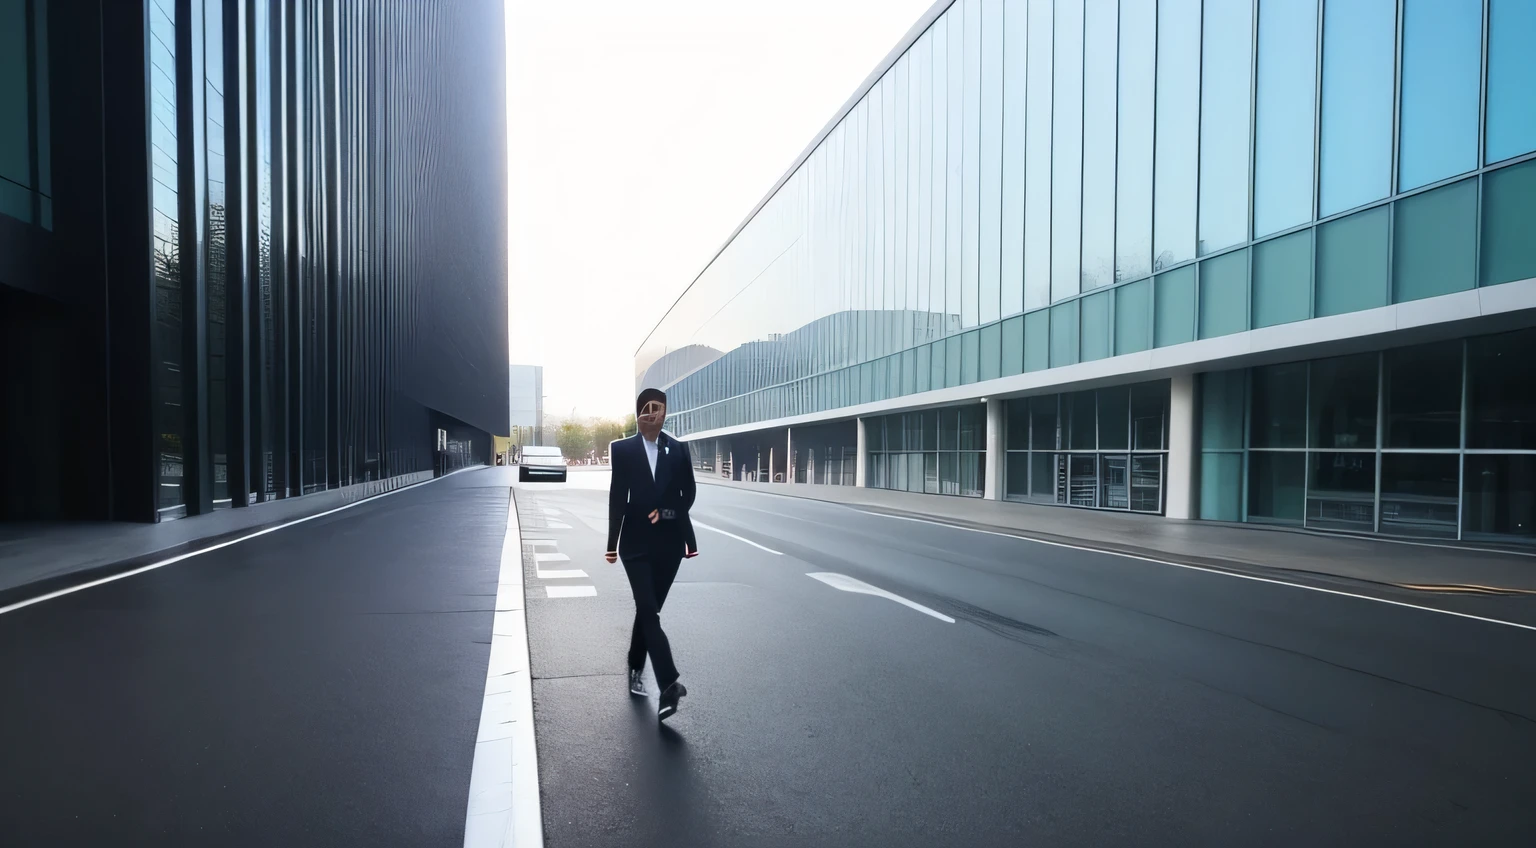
649 529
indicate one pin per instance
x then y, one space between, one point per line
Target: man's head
651 412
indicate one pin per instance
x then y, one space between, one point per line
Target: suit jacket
633 494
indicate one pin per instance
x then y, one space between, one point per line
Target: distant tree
630 427
605 430
574 439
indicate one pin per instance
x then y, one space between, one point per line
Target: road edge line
503 807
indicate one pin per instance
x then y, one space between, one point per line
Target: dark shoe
669 698
636 683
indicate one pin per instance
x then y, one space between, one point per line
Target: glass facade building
258 251
1037 199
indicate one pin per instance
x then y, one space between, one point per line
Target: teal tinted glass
1282 280
1067 152
1511 79
1221 486
1100 29
1037 340
989 365
1134 147
923 374
15 125
1222 402
1285 116
1226 73
1176 174
1098 333
1435 246
1352 263
1013 346
1509 219
970 357
1442 72
1359 58
1133 317
937 370
954 361
1224 295
1174 296
1064 334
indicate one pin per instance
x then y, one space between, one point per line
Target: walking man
651 491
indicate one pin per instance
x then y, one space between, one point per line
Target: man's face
651 417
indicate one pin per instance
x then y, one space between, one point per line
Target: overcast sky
640 135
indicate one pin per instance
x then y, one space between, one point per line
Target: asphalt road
317 686
1078 698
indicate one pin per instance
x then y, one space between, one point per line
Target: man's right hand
612 557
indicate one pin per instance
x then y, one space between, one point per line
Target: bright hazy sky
641 135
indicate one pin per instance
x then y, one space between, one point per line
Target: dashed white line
737 538
557 525
542 543
849 584
555 557
560 574
571 591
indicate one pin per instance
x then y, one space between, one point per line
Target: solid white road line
555 557
503 807
571 591
737 538
849 584
1252 577
557 525
178 558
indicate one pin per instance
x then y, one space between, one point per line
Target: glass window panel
1282 280
1226 73
1082 411
923 375
1083 480
1420 494
931 473
1037 340
1343 402
166 249
1115 482
1511 70
1341 489
1442 76
1178 126
1435 245
1037 180
1221 486
1017 476
1285 116
1013 346
973 427
1509 219
1424 396
991 194
1279 406
1015 130
1499 497
1134 145
15 129
971 474
953 362
1044 422
949 474
937 372
1359 56
908 372
1174 307
938 132
914 481
970 197
1277 485
959 241
1100 62
1043 469
1502 393
1067 151
1147 483
1352 263
1133 317
989 363
1149 416
1064 334
1098 333
1115 418
1017 436
1224 295
970 357
1222 402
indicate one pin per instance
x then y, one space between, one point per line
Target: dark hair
647 396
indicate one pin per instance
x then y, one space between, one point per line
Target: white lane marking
179 557
1252 577
503 806
555 557
551 511
560 574
737 538
557 525
571 591
542 543
849 584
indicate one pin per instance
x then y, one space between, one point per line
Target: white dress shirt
650 453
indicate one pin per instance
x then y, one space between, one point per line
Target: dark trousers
650 579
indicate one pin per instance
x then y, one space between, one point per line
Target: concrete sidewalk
1428 566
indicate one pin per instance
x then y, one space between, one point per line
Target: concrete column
1179 481
789 454
995 462
861 468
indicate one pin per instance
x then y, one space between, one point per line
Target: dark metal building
249 249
